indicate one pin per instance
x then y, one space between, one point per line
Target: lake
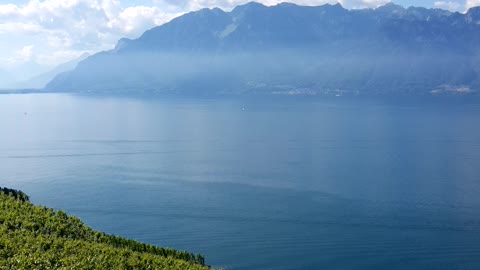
331 183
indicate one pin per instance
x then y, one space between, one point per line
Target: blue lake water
259 184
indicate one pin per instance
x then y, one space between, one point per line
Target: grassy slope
35 237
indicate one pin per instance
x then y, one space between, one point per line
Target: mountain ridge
289 48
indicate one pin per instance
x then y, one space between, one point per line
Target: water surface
259 184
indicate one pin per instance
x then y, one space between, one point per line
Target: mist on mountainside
290 49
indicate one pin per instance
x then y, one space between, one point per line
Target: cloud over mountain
472 3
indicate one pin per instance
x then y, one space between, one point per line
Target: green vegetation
35 237
15 194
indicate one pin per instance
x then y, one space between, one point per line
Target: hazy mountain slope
40 81
290 49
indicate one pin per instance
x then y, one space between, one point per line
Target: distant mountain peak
337 5
474 14
474 10
335 8
391 7
287 4
249 5
248 8
122 43
84 55
209 10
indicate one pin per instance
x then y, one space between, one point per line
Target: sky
51 32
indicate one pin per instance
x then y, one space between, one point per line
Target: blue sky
50 32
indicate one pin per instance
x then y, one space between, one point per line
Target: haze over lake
328 183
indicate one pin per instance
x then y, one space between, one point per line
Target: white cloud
472 3
452 6
134 20
19 28
25 53
72 25
20 56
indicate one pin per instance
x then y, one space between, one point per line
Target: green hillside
36 237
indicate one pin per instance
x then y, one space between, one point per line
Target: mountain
291 49
41 80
